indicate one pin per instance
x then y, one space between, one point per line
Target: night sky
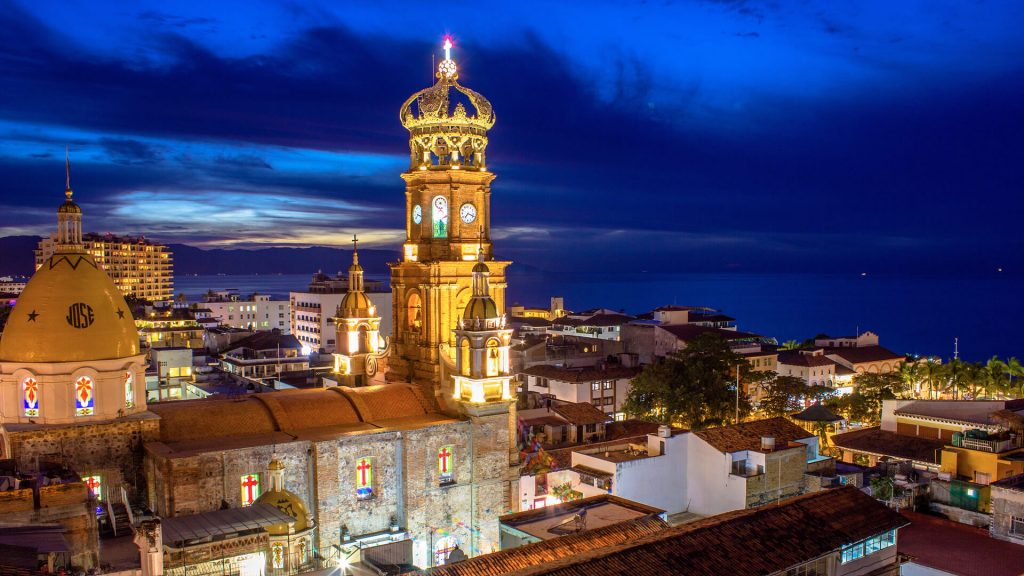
678 136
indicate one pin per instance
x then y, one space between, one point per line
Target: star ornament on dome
32 316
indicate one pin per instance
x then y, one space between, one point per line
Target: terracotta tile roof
563 456
762 540
633 428
287 410
747 435
582 373
528 556
795 358
864 354
877 441
529 321
581 413
958 548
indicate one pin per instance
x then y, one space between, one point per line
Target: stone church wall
200 483
336 502
112 450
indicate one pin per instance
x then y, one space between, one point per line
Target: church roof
70 311
195 423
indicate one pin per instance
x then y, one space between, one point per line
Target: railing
995 446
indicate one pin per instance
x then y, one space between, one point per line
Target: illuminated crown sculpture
442 137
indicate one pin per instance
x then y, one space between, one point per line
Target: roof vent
664 431
767 443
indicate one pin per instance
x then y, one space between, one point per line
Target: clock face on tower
467 212
417 214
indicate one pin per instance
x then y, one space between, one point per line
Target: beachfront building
256 312
138 266
311 313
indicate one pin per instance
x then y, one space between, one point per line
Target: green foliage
882 488
786 394
694 388
790 345
865 403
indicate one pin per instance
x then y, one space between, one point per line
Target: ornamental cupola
482 355
481 311
447 122
357 330
69 218
356 304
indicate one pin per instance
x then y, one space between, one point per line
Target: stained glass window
30 394
443 548
250 484
85 397
277 555
129 393
440 216
364 478
95 484
446 465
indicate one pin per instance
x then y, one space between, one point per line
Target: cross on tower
363 468
448 48
250 484
443 455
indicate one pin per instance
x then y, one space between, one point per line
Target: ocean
911 314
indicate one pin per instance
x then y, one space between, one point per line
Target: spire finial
355 249
67 173
447 70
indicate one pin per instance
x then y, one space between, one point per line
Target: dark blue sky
682 136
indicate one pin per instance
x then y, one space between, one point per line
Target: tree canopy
694 388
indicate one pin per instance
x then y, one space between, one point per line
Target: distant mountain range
16 258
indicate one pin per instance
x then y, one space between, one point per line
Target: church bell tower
448 201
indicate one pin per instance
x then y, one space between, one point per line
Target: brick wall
783 477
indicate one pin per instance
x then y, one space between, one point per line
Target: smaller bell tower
358 328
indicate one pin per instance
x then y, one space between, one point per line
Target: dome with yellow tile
69 311
285 501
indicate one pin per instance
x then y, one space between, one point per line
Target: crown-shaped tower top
447 122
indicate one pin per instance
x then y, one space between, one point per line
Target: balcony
745 469
993 445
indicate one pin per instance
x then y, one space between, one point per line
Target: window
364 478
30 396
595 386
817 567
444 546
440 216
607 384
869 546
85 399
129 393
95 484
494 363
277 555
250 484
446 465
1017 526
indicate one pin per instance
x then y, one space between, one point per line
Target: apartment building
139 267
256 312
311 313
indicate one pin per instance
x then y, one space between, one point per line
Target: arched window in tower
414 312
85 397
129 392
464 360
493 358
30 396
440 216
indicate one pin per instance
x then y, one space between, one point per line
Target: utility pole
737 393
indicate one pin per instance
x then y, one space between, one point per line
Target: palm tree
790 345
1014 369
994 378
933 374
910 374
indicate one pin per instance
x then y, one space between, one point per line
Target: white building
606 387
258 312
312 312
